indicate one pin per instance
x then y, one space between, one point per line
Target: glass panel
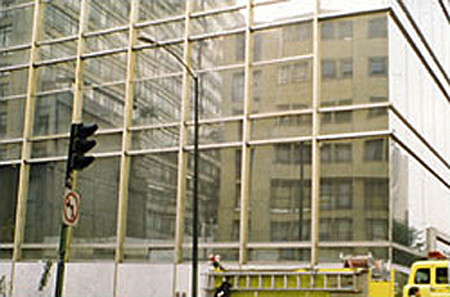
11 118
209 5
286 41
105 69
156 255
49 148
53 113
9 180
354 66
57 50
350 5
57 76
221 93
281 127
280 193
151 10
282 87
107 14
16 25
218 199
164 31
108 143
104 105
15 57
10 151
347 121
219 51
157 62
98 187
152 199
354 190
107 41
287 9
219 22
419 199
281 254
155 138
157 101
217 133
44 200
226 255
13 82
334 254
57 22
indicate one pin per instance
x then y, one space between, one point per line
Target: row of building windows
340 30
287 195
337 229
342 152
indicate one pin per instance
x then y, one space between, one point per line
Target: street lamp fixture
194 76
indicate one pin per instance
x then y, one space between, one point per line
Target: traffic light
80 144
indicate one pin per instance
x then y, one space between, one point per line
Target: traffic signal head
80 144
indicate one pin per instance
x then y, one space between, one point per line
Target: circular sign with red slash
71 208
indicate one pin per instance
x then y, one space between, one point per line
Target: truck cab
429 278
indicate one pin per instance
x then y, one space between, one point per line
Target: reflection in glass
101 17
98 188
219 196
280 203
9 180
53 113
104 105
157 101
44 200
152 197
57 22
354 190
11 118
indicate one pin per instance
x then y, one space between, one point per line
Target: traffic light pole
63 241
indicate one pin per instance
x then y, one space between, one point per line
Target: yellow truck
358 278
429 278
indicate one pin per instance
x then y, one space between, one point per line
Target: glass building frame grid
183 149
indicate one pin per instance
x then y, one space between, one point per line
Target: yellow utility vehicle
429 278
361 276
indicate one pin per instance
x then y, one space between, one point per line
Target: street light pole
194 76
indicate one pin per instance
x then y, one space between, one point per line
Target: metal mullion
280 113
12 162
106 84
352 135
11 141
57 40
105 53
13 97
281 140
182 154
221 68
159 22
246 132
15 48
154 127
152 151
283 60
163 76
55 61
215 145
162 44
315 165
126 141
18 6
53 92
105 31
26 146
15 67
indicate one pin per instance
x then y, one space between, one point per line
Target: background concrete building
323 130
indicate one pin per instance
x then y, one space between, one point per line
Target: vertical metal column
26 145
315 184
126 142
246 150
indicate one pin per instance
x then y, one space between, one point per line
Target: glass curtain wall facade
323 128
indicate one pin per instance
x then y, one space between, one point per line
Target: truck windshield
442 275
422 276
